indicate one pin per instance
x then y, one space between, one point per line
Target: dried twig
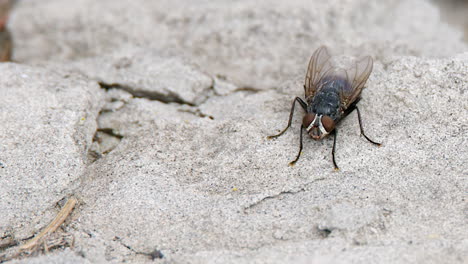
58 220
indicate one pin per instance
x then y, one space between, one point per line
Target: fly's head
318 126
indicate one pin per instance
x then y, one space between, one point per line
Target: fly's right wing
319 66
357 78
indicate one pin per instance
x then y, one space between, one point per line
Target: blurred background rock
5 36
455 12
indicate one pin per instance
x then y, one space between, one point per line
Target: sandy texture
48 122
154 114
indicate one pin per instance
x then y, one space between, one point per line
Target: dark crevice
248 89
110 132
7 242
107 140
170 97
93 156
155 254
324 232
196 112
125 245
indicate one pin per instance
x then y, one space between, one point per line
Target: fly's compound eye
308 119
328 123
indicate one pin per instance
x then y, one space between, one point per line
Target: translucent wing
357 77
319 66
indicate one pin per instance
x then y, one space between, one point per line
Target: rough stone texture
47 122
196 177
260 43
63 257
236 194
171 80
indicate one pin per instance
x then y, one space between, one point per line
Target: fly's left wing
319 66
357 78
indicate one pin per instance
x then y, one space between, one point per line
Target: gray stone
145 73
254 44
164 187
48 119
63 257
189 172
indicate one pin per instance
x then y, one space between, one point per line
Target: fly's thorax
326 103
318 126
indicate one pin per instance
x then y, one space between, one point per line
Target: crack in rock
170 97
155 254
248 89
110 132
104 141
279 195
324 232
269 197
6 242
196 112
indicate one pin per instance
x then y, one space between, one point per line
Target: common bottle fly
331 94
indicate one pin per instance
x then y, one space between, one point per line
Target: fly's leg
362 130
300 148
333 150
304 106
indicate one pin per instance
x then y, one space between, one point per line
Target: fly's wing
357 78
319 66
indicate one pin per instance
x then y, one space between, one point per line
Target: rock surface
155 117
48 121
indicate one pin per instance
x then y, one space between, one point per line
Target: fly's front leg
333 150
304 106
300 148
362 130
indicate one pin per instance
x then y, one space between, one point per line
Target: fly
331 94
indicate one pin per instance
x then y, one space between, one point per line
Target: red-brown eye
308 118
328 123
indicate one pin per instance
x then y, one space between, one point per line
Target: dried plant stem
58 220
